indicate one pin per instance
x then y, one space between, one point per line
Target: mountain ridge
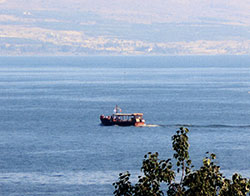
124 27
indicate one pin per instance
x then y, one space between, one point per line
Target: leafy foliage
205 181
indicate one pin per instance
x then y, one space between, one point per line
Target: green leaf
213 156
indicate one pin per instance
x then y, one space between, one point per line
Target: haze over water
51 139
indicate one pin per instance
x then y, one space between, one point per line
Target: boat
123 119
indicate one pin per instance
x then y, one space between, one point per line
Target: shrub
205 181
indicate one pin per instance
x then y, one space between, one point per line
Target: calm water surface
51 141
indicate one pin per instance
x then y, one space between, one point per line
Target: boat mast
117 109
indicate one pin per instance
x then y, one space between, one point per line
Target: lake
51 139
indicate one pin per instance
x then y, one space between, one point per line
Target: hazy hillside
84 27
